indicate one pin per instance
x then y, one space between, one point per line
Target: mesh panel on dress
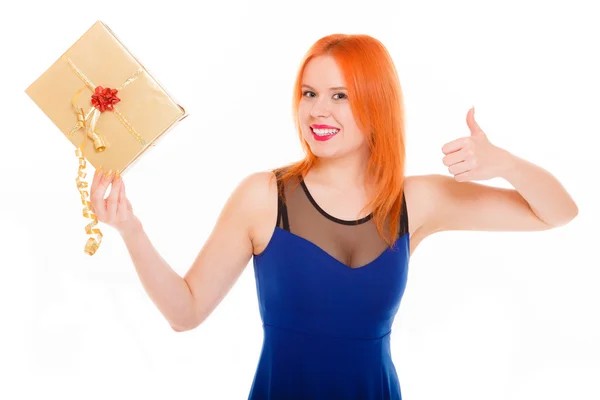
353 243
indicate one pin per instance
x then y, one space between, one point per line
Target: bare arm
187 301
229 248
167 290
448 205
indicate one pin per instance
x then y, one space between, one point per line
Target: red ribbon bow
104 98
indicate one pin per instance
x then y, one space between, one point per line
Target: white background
484 316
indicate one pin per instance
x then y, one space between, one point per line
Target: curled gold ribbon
89 125
93 243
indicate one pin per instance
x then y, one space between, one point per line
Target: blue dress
327 314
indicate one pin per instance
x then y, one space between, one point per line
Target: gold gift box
106 104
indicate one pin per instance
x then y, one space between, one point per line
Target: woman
330 235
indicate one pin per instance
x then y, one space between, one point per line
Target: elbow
189 318
566 218
188 326
178 328
183 328
573 212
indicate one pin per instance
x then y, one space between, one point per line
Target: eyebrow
331 88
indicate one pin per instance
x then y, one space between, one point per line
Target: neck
345 174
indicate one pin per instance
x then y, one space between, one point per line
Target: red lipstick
322 138
316 126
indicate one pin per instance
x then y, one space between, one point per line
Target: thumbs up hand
474 157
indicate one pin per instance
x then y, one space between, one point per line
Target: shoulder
256 191
258 184
422 195
256 201
421 187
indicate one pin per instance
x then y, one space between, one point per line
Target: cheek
343 113
303 109
346 119
303 115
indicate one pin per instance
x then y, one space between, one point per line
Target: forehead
322 72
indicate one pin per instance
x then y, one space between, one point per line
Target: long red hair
376 101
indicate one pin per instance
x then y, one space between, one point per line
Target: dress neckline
329 216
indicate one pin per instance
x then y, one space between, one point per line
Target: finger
127 202
97 197
122 202
454 145
456 157
113 197
96 180
129 206
472 124
463 177
459 168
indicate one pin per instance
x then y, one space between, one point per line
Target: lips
316 126
324 137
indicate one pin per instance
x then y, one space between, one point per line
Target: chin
324 151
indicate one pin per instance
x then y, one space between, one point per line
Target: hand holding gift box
107 105
116 209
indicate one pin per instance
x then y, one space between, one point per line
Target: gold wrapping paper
107 105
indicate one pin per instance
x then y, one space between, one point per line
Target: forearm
167 290
546 196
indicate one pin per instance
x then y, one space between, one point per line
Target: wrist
130 228
510 165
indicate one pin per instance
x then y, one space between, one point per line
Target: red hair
376 101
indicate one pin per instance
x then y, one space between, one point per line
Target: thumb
472 124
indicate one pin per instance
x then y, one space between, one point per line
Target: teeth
325 132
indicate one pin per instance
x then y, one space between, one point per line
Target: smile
324 134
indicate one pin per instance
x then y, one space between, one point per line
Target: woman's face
326 120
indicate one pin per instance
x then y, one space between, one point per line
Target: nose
320 108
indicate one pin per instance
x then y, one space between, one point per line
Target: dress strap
282 214
403 217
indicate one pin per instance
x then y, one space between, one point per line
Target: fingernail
117 175
108 174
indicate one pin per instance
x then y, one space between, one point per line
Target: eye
308 93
